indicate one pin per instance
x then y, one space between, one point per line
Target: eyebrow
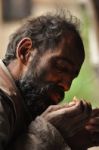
66 60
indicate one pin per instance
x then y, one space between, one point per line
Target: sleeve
41 135
5 128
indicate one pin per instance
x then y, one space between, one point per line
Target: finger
92 128
95 112
93 124
55 108
87 107
74 109
94 121
71 111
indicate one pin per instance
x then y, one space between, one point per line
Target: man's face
54 73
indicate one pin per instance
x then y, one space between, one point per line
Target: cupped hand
68 118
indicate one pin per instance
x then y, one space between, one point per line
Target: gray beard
35 96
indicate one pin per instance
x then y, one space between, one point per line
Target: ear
23 50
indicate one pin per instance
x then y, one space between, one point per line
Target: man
42 59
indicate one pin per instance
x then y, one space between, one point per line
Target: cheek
52 76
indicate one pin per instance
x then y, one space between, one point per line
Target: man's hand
80 141
68 119
93 127
88 136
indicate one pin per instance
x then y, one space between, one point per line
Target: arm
47 131
41 135
5 122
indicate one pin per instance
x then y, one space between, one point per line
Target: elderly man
42 59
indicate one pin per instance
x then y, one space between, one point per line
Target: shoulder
6 108
6 118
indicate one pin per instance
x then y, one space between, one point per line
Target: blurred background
14 12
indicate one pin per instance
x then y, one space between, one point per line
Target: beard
36 94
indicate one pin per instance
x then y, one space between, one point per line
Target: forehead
61 58
69 51
72 48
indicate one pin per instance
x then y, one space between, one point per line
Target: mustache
37 86
42 89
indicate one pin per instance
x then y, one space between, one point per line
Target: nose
65 85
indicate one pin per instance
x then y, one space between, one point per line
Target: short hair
45 31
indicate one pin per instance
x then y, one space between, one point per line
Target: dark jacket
15 133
